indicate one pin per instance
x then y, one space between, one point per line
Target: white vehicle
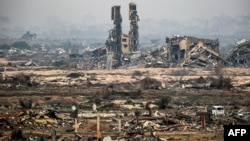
218 110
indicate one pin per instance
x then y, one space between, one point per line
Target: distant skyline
38 12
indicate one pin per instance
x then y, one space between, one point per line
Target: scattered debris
152 83
239 56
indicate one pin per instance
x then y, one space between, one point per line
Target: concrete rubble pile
151 83
178 52
122 50
202 56
187 52
239 56
42 120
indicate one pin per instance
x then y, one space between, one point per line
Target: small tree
137 114
219 70
164 101
97 99
149 108
221 82
22 78
26 104
21 45
5 46
59 63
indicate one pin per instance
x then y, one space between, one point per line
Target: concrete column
169 52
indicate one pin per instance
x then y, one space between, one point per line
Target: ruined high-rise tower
133 33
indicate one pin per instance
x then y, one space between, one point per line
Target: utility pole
98 132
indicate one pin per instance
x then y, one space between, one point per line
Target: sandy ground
166 75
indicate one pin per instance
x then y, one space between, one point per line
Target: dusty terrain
238 75
56 87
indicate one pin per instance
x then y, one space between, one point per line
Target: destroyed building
133 33
192 51
239 56
180 51
29 36
113 42
178 47
118 42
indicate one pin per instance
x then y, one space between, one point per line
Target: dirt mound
148 83
92 127
74 75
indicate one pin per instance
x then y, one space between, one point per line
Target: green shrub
21 45
129 101
59 63
22 78
164 101
222 83
137 114
137 73
26 104
5 46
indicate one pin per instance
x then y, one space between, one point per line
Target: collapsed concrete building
179 51
178 47
192 51
239 56
119 43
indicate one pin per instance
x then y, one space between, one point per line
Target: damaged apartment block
239 55
118 43
193 52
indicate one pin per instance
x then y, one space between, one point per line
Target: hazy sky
35 12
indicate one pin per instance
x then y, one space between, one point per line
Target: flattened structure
240 55
178 47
